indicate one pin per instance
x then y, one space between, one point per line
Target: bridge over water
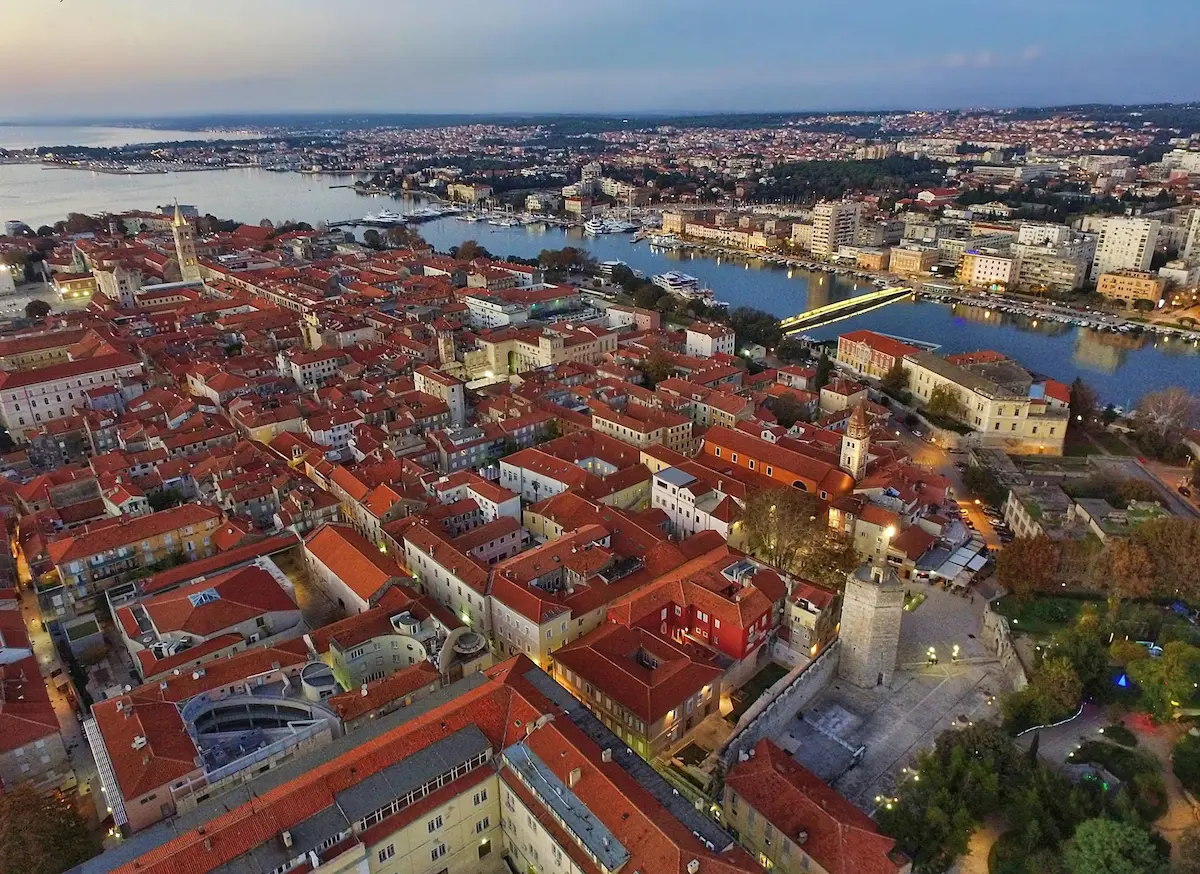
843 309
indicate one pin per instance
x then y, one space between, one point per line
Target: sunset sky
131 58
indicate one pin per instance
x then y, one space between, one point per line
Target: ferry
383 217
682 285
665 241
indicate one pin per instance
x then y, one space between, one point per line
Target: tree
1057 688
788 529
37 310
40 834
659 364
963 778
404 237
1105 846
1188 852
1028 566
469 250
1084 403
945 402
1168 681
1082 646
1123 652
372 239
165 499
1128 571
788 409
824 371
895 381
755 326
1185 762
981 481
1174 547
45 231
1167 414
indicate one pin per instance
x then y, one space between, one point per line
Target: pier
843 309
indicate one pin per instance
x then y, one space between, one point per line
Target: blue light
1123 681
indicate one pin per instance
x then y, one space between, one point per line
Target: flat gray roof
630 762
568 806
675 477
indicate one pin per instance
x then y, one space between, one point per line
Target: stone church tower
872 609
185 247
856 444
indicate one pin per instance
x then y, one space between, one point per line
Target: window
770 472
483 825
386 853
437 852
435 824
484 848
480 797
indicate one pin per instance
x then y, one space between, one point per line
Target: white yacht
383 217
594 227
682 285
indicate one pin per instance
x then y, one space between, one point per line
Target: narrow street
939 460
64 701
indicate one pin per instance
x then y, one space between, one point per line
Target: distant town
331 550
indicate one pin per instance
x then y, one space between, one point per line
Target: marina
1121 365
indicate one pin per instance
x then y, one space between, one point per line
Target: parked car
917 433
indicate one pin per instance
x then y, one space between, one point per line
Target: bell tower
185 247
856 443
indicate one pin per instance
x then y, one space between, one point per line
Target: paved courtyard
859 739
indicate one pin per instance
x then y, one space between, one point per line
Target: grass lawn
759 683
1078 448
1122 763
1113 443
1041 615
1119 734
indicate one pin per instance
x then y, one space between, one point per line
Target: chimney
574 777
139 742
287 839
606 756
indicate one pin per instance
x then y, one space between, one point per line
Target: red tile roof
242 595
26 714
841 839
125 531
353 559
614 659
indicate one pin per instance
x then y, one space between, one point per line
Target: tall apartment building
835 224
1191 246
1123 244
983 270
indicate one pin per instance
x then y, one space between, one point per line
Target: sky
131 58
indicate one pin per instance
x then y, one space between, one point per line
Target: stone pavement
894 722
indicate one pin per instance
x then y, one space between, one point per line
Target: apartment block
1131 287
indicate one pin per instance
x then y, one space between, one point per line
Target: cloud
130 58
